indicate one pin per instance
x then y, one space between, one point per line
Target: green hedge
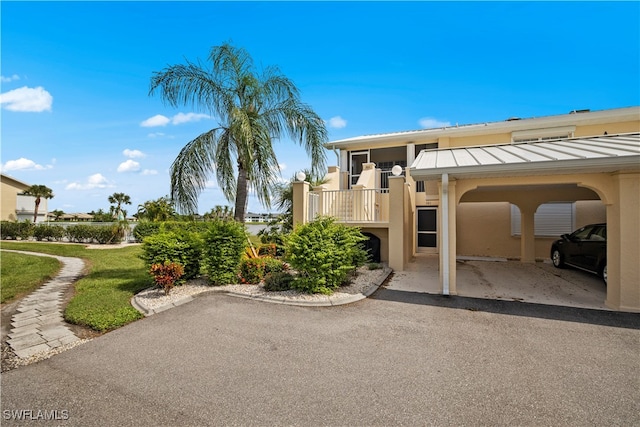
182 247
224 245
48 232
14 230
324 253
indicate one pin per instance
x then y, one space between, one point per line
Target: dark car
585 248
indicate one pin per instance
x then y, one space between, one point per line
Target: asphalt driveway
398 358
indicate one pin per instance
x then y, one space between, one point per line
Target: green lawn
102 296
21 274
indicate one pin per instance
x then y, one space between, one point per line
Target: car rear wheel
557 259
603 273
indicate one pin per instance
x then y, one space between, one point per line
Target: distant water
254 228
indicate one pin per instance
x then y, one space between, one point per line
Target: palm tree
156 210
39 192
118 199
57 214
253 110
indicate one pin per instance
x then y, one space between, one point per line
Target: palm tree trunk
241 194
35 211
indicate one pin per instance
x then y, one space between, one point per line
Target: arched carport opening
605 168
487 211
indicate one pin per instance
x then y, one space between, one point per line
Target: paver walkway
38 325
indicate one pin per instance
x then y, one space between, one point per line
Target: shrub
224 245
15 229
180 247
49 232
166 275
107 233
278 281
274 238
148 228
324 253
80 233
145 229
253 270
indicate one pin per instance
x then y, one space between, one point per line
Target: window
551 219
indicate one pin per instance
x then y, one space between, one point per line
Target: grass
21 274
102 297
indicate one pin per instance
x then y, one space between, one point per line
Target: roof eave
555 167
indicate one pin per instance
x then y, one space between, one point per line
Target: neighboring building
72 217
13 205
500 189
257 217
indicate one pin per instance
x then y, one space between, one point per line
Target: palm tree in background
119 199
253 110
57 214
39 192
156 210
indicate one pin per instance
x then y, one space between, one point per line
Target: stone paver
38 324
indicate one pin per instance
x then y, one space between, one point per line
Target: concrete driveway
539 283
398 358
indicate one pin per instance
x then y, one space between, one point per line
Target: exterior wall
490 139
484 229
610 128
383 235
9 195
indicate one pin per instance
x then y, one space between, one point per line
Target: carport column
447 243
396 223
527 231
623 244
300 202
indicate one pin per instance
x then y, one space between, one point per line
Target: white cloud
27 99
23 164
337 122
10 78
96 180
189 117
132 154
282 166
155 135
129 166
149 172
430 122
157 120
178 119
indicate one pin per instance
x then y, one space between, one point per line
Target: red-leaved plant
166 275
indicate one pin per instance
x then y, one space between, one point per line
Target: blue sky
75 77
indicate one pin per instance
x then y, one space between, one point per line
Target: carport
528 174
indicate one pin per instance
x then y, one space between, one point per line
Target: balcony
359 205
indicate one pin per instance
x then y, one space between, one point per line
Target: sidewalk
38 325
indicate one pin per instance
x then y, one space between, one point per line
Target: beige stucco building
501 189
9 191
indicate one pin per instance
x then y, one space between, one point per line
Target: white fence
359 205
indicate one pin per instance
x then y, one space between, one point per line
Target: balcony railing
357 205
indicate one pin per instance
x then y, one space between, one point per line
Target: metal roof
509 125
594 154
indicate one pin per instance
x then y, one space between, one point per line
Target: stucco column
623 244
357 208
300 202
527 232
396 223
448 238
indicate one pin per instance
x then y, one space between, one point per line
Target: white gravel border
153 300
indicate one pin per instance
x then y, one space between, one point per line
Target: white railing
357 205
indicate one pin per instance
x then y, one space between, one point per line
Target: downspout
445 235
333 147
